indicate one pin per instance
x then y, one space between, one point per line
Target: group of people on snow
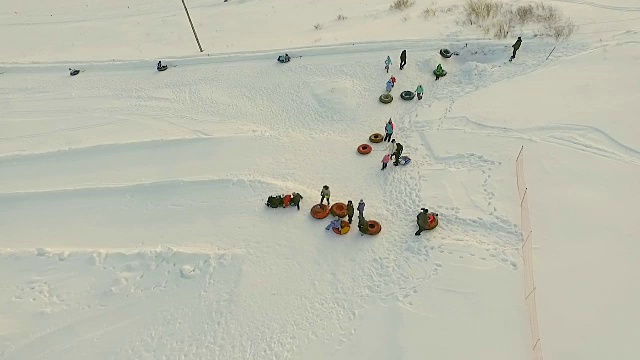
394 149
284 201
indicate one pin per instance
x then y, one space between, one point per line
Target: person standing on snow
397 154
419 92
515 47
385 161
363 225
361 208
387 63
325 194
392 148
295 199
403 59
350 211
388 131
389 85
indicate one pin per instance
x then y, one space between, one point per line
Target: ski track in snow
237 285
601 6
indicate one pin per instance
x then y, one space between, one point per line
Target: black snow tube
445 53
74 72
163 68
407 95
386 98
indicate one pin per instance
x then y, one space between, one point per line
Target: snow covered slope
132 201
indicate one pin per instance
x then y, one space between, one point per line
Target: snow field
132 201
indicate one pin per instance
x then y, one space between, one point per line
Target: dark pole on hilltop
192 28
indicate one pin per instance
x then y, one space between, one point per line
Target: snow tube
376 138
386 98
163 68
444 72
345 228
445 53
407 95
74 72
320 211
339 209
364 149
433 222
374 227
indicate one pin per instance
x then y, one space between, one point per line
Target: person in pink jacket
385 161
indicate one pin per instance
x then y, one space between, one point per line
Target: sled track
602 6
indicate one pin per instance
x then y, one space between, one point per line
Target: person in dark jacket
363 225
397 154
403 59
350 211
515 47
295 199
422 220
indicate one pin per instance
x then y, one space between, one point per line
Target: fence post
192 27
550 53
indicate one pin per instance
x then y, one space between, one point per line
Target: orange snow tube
433 222
339 209
320 211
373 227
364 149
345 227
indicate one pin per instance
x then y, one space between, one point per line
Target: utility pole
191 22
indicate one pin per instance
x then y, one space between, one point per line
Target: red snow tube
364 149
339 209
320 211
345 228
433 222
373 227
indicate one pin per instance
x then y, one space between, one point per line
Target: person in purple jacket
361 208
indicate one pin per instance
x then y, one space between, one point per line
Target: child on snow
385 161
419 92
350 211
337 223
387 63
389 85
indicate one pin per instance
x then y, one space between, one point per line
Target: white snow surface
132 214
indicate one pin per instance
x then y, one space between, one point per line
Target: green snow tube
386 98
